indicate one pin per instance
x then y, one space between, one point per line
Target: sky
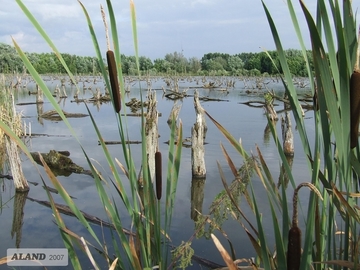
193 27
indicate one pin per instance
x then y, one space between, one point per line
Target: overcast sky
194 27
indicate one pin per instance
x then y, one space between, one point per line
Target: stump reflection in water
197 197
18 216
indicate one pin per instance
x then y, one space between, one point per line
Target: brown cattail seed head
294 249
158 174
114 80
354 108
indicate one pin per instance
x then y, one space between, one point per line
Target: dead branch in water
53 115
67 211
119 142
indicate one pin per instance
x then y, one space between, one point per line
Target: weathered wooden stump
39 95
287 135
20 182
198 132
151 132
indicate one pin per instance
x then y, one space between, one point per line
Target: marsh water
38 229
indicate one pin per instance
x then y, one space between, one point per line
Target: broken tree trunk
39 95
197 136
288 138
20 181
174 114
151 132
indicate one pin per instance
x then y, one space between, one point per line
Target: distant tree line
249 64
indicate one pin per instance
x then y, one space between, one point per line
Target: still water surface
248 123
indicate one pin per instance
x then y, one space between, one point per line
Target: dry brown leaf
226 257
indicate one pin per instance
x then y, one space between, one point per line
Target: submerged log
54 116
60 164
67 211
119 142
198 132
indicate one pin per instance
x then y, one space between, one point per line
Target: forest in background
215 64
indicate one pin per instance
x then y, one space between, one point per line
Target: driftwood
29 103
119 142
67 211
9 177
54 190
54 116
138 114
173 95
212 99
59 163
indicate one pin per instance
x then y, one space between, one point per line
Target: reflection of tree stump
197 197
151 132
284 177
18 216
197 147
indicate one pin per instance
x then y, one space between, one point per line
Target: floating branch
54 116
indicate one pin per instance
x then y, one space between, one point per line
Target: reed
333 160
147 246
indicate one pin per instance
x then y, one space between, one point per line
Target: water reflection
241 121
18 216
197 197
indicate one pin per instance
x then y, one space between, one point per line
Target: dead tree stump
12 151
39 95
197 137
269 107
287 135
20 182
151 132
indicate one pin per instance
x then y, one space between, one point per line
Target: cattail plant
355 103
110 57
294 238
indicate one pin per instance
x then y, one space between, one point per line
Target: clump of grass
147 245
9 116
